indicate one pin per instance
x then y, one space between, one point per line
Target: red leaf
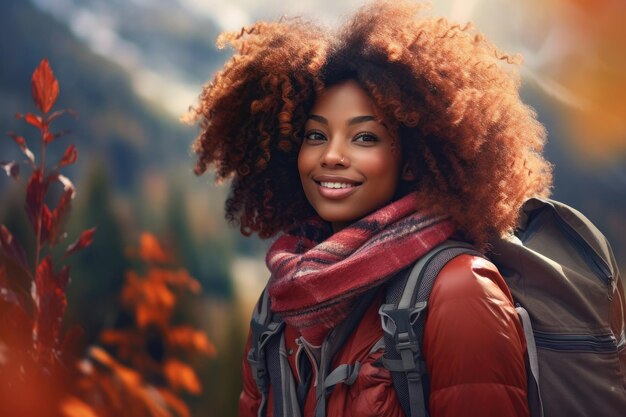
48 137
11 168
50 302
59 215
73 344
70 156
46 223
63 277
12 249
43 275
34 120
6 294
35 194
21 142
16 325
58 113
18 139
85 239
45 86
67 183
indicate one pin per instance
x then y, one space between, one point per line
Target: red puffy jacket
473 344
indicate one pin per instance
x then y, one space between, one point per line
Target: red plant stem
36 312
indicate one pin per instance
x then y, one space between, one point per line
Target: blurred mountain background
130 68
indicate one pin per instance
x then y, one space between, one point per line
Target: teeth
336 184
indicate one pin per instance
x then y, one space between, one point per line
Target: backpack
568 294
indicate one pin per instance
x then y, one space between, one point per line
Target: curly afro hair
452 96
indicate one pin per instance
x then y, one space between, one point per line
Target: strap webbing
534 395
331 345
345 373
403 318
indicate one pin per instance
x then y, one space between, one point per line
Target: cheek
303 163
384 166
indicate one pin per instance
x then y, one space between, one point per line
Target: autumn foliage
33 294
148 370
139 369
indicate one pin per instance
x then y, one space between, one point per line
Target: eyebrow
352 121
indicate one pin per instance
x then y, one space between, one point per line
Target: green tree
209 260
99 269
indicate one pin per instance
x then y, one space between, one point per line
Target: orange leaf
182 376
151 250
175 403
73 407
190 339
45 87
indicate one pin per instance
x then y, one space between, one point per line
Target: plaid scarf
315 283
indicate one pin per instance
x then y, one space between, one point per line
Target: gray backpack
568 293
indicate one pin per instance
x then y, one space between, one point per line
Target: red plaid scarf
314 285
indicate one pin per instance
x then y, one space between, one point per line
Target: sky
570 48
97 23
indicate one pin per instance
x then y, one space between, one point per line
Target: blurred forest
134 174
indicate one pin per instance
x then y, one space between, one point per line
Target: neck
339 226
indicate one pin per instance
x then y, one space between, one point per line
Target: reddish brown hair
452 96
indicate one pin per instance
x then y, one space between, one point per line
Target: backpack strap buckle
261 333
398 324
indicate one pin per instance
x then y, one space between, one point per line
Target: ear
407 173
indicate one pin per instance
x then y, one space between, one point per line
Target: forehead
346 99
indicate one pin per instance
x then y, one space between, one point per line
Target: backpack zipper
576 342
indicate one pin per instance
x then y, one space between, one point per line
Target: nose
335 155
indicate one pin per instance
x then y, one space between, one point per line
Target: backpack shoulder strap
344 373
403 319
264 328
270 367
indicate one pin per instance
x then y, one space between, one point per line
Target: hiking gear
563 276
403 319
561 269
371 392
270 366
308 287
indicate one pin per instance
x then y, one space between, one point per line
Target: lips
332 184
335 188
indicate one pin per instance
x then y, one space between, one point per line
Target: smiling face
349 163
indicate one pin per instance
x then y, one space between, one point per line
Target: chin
339 218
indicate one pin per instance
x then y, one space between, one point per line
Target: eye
366 137
314 136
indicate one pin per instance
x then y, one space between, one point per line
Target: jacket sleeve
250 398
474 344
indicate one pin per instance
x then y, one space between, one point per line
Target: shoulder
471 300
473 343
469 277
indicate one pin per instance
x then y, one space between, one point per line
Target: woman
362 149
